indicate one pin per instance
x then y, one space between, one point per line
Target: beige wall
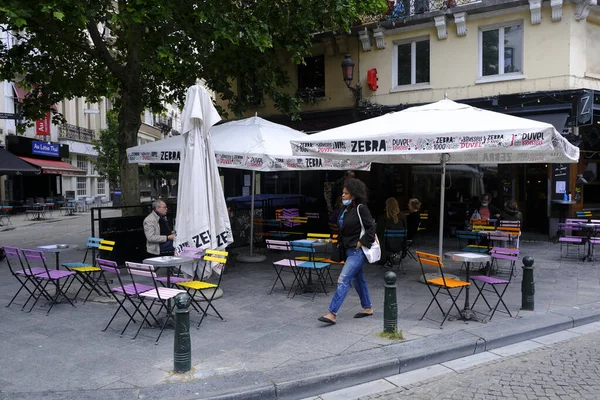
557 56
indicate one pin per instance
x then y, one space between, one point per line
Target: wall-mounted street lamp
348 75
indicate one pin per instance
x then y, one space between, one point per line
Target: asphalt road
565 370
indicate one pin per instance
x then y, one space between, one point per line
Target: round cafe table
168 262
468 258
53 248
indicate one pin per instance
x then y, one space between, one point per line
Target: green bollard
527 285
182 349
390 303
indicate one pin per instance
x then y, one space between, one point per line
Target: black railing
75 132
408 8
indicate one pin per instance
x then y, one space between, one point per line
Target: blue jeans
352 271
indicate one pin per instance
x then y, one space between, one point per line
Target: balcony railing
408 8
75 132
162 120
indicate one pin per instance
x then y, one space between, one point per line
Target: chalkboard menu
560 181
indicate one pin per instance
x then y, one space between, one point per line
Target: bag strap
359 218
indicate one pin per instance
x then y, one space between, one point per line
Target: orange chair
441 284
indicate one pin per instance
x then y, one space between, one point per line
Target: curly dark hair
358 189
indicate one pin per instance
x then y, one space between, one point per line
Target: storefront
47 158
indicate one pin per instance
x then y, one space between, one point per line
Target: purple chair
157 294
570 236
501 280
43 279
24 274
122 293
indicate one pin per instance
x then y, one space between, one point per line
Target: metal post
443 159
182 347
252 214
390 303
527 285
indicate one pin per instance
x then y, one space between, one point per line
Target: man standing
159 235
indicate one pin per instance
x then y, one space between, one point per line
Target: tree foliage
144 53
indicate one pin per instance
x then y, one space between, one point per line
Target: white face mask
347 202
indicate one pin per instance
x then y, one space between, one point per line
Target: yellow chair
198 286
441 284
85 272
424 217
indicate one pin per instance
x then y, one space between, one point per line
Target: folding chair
569 237
43 279
162 295
24 275
288 263
470 241
513 228
502 279
198 286
441 284
122 293
395 247
306 268
85 271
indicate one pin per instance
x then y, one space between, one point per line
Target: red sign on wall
42 126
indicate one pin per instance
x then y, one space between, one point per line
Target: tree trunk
129 124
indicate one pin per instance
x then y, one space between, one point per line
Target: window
311 78
101 186
501 50
81 186
411 62
82 163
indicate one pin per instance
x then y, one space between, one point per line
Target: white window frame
413 65
78 190
101 186
501 76
80 160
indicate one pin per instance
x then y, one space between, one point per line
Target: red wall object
372 79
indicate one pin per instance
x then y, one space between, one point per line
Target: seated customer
159 235
391 219
413 220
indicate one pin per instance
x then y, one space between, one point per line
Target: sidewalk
269 346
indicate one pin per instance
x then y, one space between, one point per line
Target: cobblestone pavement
565 370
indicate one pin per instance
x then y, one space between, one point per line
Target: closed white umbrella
202 219
441 133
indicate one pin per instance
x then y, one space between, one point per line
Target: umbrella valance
420 134
253 144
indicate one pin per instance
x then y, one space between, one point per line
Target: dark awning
557 120
11 164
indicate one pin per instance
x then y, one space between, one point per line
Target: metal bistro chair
198 286
395 247
287 263
24 274
501 280
158 294
442 285
43 279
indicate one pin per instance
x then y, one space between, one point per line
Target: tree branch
101 51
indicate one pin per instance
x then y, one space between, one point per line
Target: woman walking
354 199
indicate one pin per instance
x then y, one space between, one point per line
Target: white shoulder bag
373 253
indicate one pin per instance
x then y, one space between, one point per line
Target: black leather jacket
350 231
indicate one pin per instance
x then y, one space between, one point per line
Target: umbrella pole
444 158
252 213
251 258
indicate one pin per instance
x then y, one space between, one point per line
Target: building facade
535 59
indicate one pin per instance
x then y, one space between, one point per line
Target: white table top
468 257
52 248
168 261
568 202
588 225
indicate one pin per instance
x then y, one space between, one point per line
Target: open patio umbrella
253 144
202 219
442 132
